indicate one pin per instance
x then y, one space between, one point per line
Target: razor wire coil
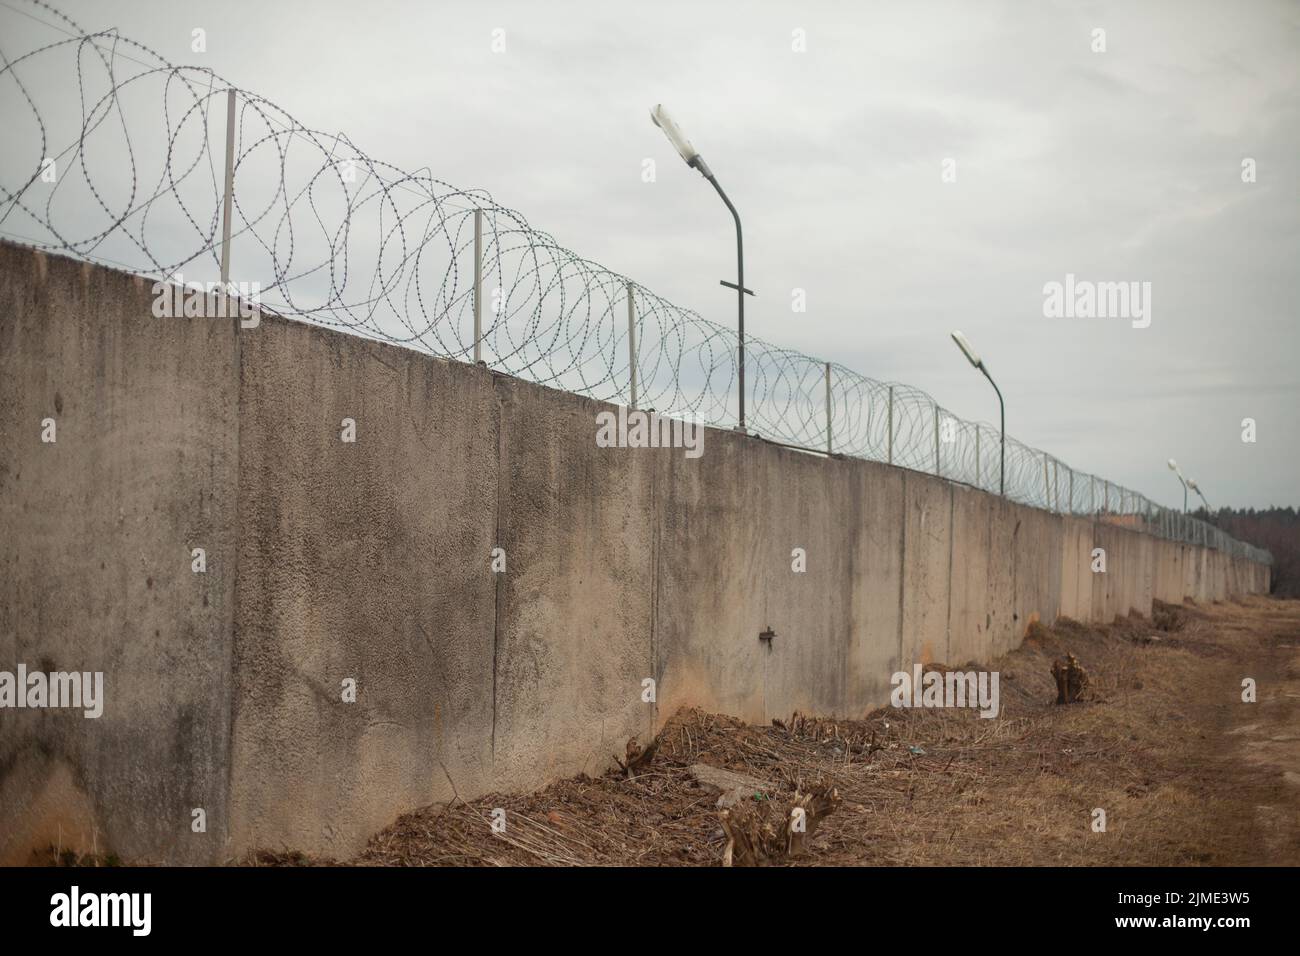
131 171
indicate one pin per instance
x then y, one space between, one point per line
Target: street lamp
1191 483
975 360
693 159
1173 466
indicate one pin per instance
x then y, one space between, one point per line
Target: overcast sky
1123 165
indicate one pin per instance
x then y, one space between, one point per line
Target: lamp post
1191 483
693 159
975 360
1173 466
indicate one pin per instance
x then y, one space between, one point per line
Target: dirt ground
1187 773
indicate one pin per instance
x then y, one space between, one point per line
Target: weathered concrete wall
927 568
96 531
371 561
1006 629
724 573
969 613
365 561
573 618
1076 569
1039 547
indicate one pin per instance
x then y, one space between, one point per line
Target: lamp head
660 117
967 349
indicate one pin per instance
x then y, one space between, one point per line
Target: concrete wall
370 561
96 530
363 561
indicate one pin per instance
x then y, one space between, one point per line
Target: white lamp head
967 348
1173 465
674 133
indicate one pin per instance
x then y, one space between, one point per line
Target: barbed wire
130 170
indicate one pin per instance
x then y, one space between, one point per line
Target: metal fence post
828 409
228 200
478 286
1071 496
1047 492
936 440
631 342
890 423
977 456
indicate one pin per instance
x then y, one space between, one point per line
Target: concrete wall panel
574 614
1038 547
927 567
710 561
366 561
1076 569
837 623
1005 627
96 532
969 617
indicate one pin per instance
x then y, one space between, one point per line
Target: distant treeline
1277 529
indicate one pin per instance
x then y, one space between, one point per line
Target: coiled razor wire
113 154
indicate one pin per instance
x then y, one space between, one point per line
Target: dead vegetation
637 757
1157 741
1167 617
759 835
54 856
1071 679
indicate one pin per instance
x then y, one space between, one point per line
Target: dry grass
53 856
1161 742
